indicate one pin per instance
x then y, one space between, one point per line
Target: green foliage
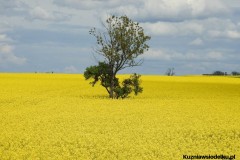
129 85
120 45
97 72
136 83
101 73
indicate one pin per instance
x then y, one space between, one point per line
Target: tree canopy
120 44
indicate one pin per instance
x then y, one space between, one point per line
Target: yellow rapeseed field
60 116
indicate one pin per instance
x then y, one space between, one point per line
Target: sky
191 36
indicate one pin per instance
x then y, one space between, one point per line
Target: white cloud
172 10
231 3
10 5
224 34
42 14
32 10
233 34
201 56
4 38
171 55
5 48
174 29
8 57
197 42
39 13
93 4
208 56
4 26
158 54
82 4
222 28
208 28
70 69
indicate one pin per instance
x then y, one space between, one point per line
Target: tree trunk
111 87
111 95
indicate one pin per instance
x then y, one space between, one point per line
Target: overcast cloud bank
193 36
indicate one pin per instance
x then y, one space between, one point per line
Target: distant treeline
221 73
45 72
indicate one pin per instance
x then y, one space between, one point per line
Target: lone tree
170 72
120 45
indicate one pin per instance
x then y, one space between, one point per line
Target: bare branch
120 45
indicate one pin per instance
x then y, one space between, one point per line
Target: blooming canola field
60 116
